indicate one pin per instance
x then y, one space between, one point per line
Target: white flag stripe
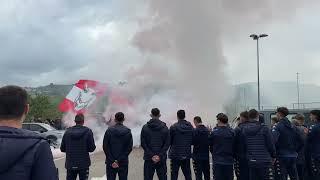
73 93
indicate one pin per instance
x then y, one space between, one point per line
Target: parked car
54 136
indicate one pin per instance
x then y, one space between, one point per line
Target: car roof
35 123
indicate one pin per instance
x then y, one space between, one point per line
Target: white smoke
181 43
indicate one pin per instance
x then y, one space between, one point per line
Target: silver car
54 136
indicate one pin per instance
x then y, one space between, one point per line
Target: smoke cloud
181 46
185 35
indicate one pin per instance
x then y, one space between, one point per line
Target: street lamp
257 37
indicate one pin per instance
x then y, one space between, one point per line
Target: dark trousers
222 172
315 169
150 167
301 171
201 167
242 169
261 172
288 166
73 174
122 172
185 167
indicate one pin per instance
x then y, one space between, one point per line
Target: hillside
50 90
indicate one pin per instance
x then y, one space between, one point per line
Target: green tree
43 107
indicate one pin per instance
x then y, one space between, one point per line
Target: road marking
59 159
101 178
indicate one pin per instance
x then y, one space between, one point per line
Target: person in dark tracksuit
313 145
24 155
180 146
117 145
77 142
221 140
276 164
241 164
259 147
301 165
289 141
200 154
155 141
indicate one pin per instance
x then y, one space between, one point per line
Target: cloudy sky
61 41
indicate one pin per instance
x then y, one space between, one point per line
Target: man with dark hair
155 141
260 150
288 141
241 164
180 146
313 145
117 145
201 150
24 155
222 147
77 142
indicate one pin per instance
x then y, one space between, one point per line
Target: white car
47 131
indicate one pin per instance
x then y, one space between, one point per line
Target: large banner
82 95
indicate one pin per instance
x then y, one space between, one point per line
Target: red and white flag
82 95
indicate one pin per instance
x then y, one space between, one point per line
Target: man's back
25 156
77 142
181 140
155 139
258 142
288 139
117 144
222 145
201 143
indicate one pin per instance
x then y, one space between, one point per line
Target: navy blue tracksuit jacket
288 139
25 155
117 144
155 139
201 143
258 143
221 142
77 142
200 153
181 140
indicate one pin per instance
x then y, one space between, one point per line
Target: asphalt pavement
97 169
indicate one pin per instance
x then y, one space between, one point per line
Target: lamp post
257 37
298 90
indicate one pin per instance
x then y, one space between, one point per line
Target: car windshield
48 127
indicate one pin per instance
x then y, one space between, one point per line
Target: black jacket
77 142
258 143
288 139
180 140
117 144
313 141
221 142
155 139
25 155
201 143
